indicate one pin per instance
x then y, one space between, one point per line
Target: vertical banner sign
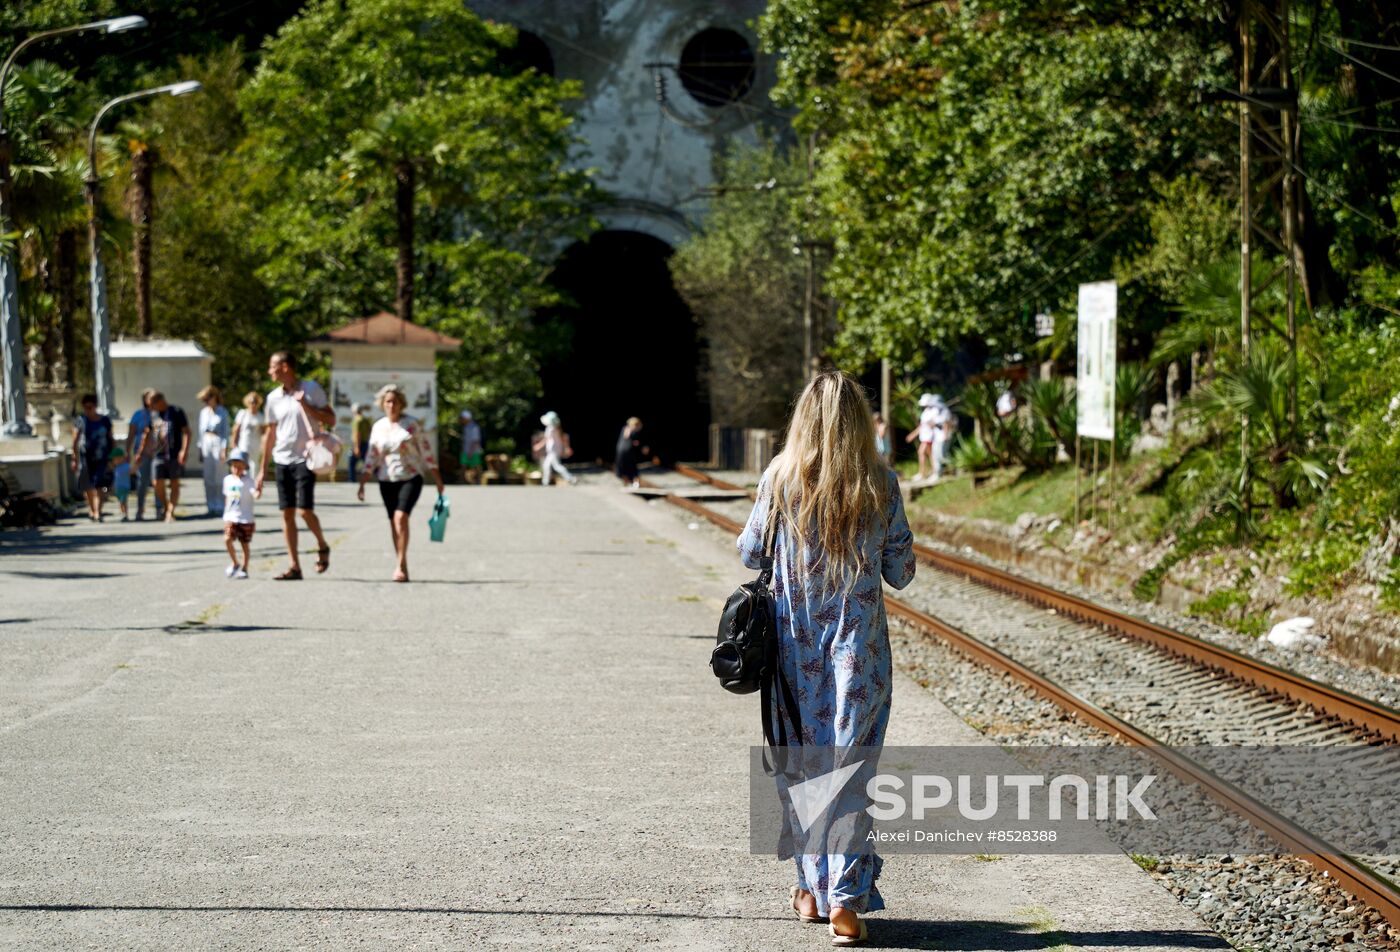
1098 358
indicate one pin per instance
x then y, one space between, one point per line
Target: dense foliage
744 277
976 160
278 206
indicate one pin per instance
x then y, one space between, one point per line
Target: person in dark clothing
630 452
92 454
170 441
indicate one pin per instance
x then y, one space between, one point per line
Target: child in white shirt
238 512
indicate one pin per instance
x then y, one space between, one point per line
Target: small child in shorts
238 512
121 477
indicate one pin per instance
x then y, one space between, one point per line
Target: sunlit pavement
523 746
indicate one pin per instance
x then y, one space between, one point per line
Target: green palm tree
47 207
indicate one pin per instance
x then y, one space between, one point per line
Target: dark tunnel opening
626 345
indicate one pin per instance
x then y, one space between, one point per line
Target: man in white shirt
290 408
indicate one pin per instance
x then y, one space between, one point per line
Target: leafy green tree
744 279
979 159
390 149
47 169
204 273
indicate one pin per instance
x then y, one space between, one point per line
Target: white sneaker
240 574
228 572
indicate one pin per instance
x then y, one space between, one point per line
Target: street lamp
11 354
101 330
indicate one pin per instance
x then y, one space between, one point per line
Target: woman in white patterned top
399 455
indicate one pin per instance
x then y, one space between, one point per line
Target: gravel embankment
1318 664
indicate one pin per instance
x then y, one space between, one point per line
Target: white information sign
1098 358
349 387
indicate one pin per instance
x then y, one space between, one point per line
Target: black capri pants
400 497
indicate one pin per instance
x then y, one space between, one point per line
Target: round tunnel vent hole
717 67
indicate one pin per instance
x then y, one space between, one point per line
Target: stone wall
655 158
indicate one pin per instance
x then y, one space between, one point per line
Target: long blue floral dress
834 647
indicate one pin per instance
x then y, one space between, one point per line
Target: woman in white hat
932 431
554 442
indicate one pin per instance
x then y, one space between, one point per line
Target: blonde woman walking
399 454
248 428
838 521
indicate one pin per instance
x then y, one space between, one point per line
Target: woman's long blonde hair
829 483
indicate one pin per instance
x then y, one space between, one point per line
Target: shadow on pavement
884 933
330 577
1014 936
62 575
36 541
195 627
380 910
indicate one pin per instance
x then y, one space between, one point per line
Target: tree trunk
65 267
403 198
142 207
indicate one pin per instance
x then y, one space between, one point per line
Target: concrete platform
522 748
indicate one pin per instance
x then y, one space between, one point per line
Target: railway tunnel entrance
624 345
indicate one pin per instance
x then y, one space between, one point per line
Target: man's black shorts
296 487
168 469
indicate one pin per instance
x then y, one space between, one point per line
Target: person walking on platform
248 429
882 439
554 443
170 442
836 518
630 452
140 453
359 440
213 447
931 434
240 521
92 455
473 457
291 408
399 454
121 479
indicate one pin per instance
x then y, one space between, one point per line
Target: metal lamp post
101 329
11 349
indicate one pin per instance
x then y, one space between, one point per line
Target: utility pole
885 375
97 275
1269 187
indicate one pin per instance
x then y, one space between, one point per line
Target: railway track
1145 684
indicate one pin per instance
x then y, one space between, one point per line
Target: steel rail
1365 884
1360 712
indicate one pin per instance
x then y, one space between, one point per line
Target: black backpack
745 658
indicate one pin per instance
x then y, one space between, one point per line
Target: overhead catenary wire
1393 130
1361 62
1374 46
1327 191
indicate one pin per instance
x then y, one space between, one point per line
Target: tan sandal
792 894
841 941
